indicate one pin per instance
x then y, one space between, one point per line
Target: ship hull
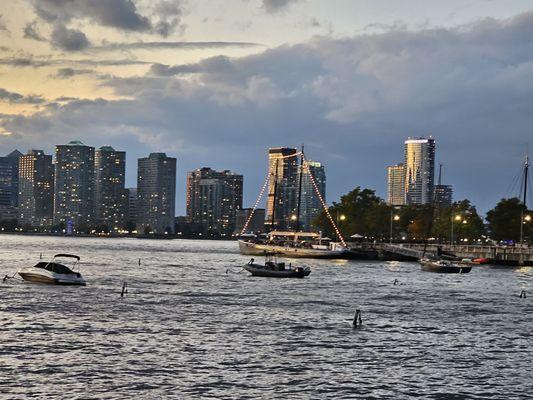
430 266
259 249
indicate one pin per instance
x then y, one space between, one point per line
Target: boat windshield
55 267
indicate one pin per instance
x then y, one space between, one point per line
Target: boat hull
257 270
445 269
259 249
37 275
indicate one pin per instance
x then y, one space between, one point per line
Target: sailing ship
297 243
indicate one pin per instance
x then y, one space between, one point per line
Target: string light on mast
324 205
261 192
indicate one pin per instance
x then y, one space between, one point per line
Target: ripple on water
188 329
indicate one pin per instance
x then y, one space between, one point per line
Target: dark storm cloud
17 98
273 6
352 101
67 39
120 14
165 16
30 32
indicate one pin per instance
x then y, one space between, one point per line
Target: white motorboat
53 272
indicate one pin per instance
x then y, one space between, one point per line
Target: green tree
467 224
504 220
359 212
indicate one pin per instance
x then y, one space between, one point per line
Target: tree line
362 213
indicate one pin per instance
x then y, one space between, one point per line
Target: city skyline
205 81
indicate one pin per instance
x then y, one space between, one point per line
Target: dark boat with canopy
274 269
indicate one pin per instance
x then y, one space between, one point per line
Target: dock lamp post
457 218
394 218
525 220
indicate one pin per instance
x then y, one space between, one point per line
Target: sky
215 83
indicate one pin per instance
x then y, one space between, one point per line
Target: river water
186 329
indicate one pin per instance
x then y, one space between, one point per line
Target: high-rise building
443 195
111 197
156 194
256 223
213 199
36 189
282 187
9 185
74 186
396 185
310 205
419 170
131 219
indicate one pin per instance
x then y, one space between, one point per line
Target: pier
504 255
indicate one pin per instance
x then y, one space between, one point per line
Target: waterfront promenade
505 255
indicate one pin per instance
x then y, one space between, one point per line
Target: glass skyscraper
36 189
419 170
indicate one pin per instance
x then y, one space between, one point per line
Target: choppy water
186 329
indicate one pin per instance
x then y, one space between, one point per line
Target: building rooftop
75 143
106 148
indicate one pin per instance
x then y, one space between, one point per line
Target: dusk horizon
142 77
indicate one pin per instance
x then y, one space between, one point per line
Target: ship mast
300 191
524 200
275 195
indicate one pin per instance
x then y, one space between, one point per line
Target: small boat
53 272
444 266
274 269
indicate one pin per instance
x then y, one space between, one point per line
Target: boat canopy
295 235
55 267
68 256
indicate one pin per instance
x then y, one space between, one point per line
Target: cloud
120 14
34 62
65 73
2 25
274 6
173 45
17 98
169 14
352 101
30 32
68 39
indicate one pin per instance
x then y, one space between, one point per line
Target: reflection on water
188 329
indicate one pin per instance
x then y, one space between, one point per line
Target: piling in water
124 289
357 319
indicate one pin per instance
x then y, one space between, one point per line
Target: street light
396 218
457 218
525 220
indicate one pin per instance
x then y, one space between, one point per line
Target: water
187 330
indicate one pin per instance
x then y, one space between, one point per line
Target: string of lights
324 205
262 191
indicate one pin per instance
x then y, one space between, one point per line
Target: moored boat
294 245
444 266
274 269
53 272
